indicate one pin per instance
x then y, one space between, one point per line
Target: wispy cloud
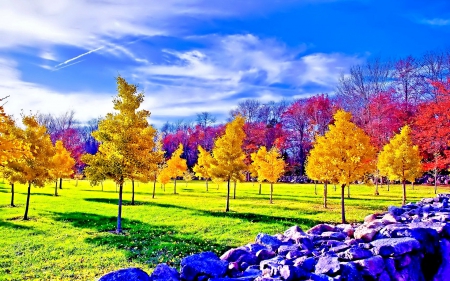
436 21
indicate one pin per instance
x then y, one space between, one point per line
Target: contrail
56 69
77 57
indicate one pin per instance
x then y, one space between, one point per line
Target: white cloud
436 21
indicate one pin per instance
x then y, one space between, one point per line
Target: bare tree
205 119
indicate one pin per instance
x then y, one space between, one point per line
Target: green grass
68 237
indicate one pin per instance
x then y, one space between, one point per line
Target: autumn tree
33 168
228 155
188 176
176 166
126 142
62 164
269 166
348 150
400 159
203 167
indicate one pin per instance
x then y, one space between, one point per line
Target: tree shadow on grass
142 242
38 194
5 224
114 201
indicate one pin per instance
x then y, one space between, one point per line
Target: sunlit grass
68 237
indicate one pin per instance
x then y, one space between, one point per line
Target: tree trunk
412 186
435 180
12 195
164 186
325 194
175 186
60 183
76 183
234 191
404 192
227 208
260 188
342 203
119 214
132 192
102 185
206 185
315 187
348 191
116 187
56 188
271 192
25 217
388 186
376 187
335 187
154 189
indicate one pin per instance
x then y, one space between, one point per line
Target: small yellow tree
176 166
269 166
348 150
188 176
203 167
228 155
400 159
62 164
164 177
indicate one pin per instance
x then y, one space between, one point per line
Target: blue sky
190 56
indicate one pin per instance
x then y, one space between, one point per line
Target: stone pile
409 243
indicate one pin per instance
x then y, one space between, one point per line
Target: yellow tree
400 159
188 176
62 164
33 168
164 177
348 150
228 156
11 147
203 167
157 165
318 168
126 142
269 166
176 166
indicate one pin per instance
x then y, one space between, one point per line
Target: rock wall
411 243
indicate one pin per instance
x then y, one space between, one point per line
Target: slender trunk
227 208
271 192
376 187
404 192
218 186
154 189
56 188
315 187
76 183
119 214
342 203
60 183
132 192
348 191
25 217
206 185
175 186
102 185
164 186
260 188
335 187
435 180
12 195
412 186
325 194
116 187
388 186
234 191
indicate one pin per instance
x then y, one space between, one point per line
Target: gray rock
320 277
372 266
320 228
271 263
269 241
394 246
339 248
307 263
355 253
305 243
265 254
327 264
206 263
233 254
163 272
254 248
126 274
350 272
242 278
294 231
384 276
284 249
444 270
334 235
395 210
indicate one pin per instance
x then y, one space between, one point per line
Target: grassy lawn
68 237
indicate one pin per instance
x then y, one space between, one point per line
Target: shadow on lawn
145 243
6 224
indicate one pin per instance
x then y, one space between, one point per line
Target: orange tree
62 164
176 166
203 167
228 156
126 142
269 166
347 149
400 159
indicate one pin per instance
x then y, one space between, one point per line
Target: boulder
254 248
307 263
444 270
293 232
350 272
126 274
163 272
396 211
372 266
327 264
233 254
284 249
265 254
320 228
333 235
206 264
394 246
269 241
355 253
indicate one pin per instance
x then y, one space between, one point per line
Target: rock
389 218
395 210
233 254
293 255
350 272
413 271
126 274
251 272
366 233
347 229
270 263
254 248
206 263
355 253
372 266
320 277
265 254
444 270
242 278
163 272
320 228
334 235
327 264
305 243
233 269
294 231
371 217
394 246
307 263
339 248
269 241
284 249
247 258
403 261
263 278
384 276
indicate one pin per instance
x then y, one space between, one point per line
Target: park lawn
69 237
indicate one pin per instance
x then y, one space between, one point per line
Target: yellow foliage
268 164
176 165
400 159
62 162
203 167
